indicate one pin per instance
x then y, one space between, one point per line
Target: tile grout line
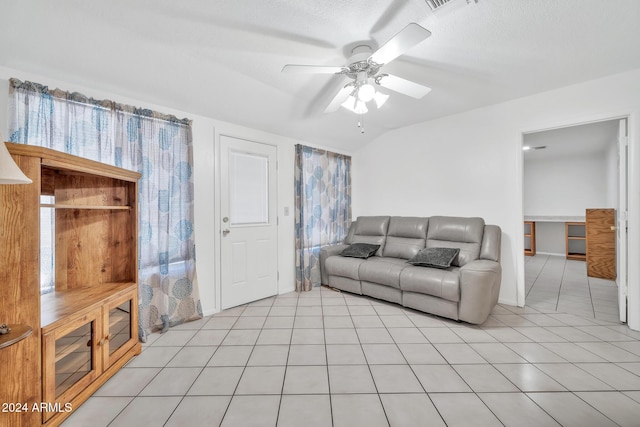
184 396
564 322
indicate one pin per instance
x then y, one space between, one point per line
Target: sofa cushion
456 232
343 266
352 229
491 238
383 271
436 282
405 237
360 250
372 230
435 257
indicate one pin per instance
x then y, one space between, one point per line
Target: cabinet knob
101 342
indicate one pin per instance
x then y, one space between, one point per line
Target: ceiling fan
364 71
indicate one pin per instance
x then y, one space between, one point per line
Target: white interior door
249 228
622 219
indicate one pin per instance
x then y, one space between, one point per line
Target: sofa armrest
326 252
479 290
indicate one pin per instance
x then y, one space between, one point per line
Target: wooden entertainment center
87 329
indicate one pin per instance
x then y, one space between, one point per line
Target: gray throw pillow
360 250
435 257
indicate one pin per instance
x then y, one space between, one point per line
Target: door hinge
278 275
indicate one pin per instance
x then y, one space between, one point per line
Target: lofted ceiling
222 59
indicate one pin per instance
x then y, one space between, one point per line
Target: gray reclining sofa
467 290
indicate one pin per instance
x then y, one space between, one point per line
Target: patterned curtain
323 208
154 144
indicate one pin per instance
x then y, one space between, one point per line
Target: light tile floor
555 283
324 358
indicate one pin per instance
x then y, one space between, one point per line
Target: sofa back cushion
456 232
405 237
370 229
352 229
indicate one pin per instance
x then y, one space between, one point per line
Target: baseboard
286 290
210 312
280 292
513 303
550 254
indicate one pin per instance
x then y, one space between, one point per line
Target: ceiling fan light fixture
380 99
355 105
364 69
350 103
361 108
366 92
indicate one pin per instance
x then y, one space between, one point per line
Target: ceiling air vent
435 4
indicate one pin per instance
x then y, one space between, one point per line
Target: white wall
565 186
550 238
470 164
206 132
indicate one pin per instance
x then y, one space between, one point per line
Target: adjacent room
571 174
338 213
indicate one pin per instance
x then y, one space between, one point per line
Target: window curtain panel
322 210
158 146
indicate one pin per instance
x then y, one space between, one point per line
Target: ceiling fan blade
407 38
392 11
340 97
403 86
311 69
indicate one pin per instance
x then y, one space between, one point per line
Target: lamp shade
353 104
380 99
10 173
366 92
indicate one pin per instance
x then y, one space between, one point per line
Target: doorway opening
567 171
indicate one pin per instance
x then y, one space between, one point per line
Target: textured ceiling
582 140
222 59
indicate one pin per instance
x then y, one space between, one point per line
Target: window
158 146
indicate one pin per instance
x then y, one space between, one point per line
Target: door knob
225 232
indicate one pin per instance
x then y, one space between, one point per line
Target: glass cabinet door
71 359
120 327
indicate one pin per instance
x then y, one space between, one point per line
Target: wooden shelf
576 241
18 333
57 306
530 238
96 207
